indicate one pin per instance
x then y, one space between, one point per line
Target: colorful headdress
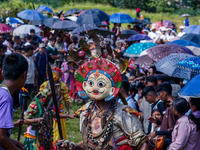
57 70
45 92
98 65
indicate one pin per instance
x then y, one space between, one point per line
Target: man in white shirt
181 33
162 36
153 33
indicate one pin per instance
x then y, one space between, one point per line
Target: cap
42 45
147 89
164 86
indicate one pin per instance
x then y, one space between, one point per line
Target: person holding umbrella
187 22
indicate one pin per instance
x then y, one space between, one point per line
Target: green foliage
11 8
190 11
161 6
194 4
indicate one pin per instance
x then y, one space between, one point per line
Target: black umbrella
50 21
136 21
103 32
92 16
101 24
84 28
71 11
65 25
60 12
145 22
127 33
192 37
38 22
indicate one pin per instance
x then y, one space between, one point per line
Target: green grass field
73 131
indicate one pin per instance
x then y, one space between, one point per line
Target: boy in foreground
15 68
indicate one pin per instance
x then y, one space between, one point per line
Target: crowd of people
151 93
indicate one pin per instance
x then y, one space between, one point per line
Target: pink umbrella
157 25
81 12
4 28
175 38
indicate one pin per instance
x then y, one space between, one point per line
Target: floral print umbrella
161 51
144 62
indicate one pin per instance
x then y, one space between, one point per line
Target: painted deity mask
57 73
98 79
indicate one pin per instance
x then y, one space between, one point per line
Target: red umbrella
4 28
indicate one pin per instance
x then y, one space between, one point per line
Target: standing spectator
75 39
1 73
187 22
17 41
15 67
61 50
40 64
115 29
28 42
185 135
2 38
32 33
8 43
52 51
18 49
138 13
30 73
173 27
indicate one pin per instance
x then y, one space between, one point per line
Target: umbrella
101 24
157 25
127 33
191 88
167 23
84 28
25 29
167 65
187 50
92 16
72 18
37 22
138 37
30 15
185 15
64 25
191 37
175 38
184 43
160 51
144 61
135 49
192 64
13 21
50 21
137 21
192 29
121 18
195 50
44 8
103 32
71 11
4 28
145 22
60 12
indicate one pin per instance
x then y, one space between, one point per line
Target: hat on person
73 36
90 41
164 86
119 41
181 27
163 29
145 30
42 45
153 27
44 39
169 29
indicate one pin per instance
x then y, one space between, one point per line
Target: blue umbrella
192 29
192 64
30 15
84 28
191 88
183 43
44 8
138 37
191 37
121 18
92 17
135 49
167 65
